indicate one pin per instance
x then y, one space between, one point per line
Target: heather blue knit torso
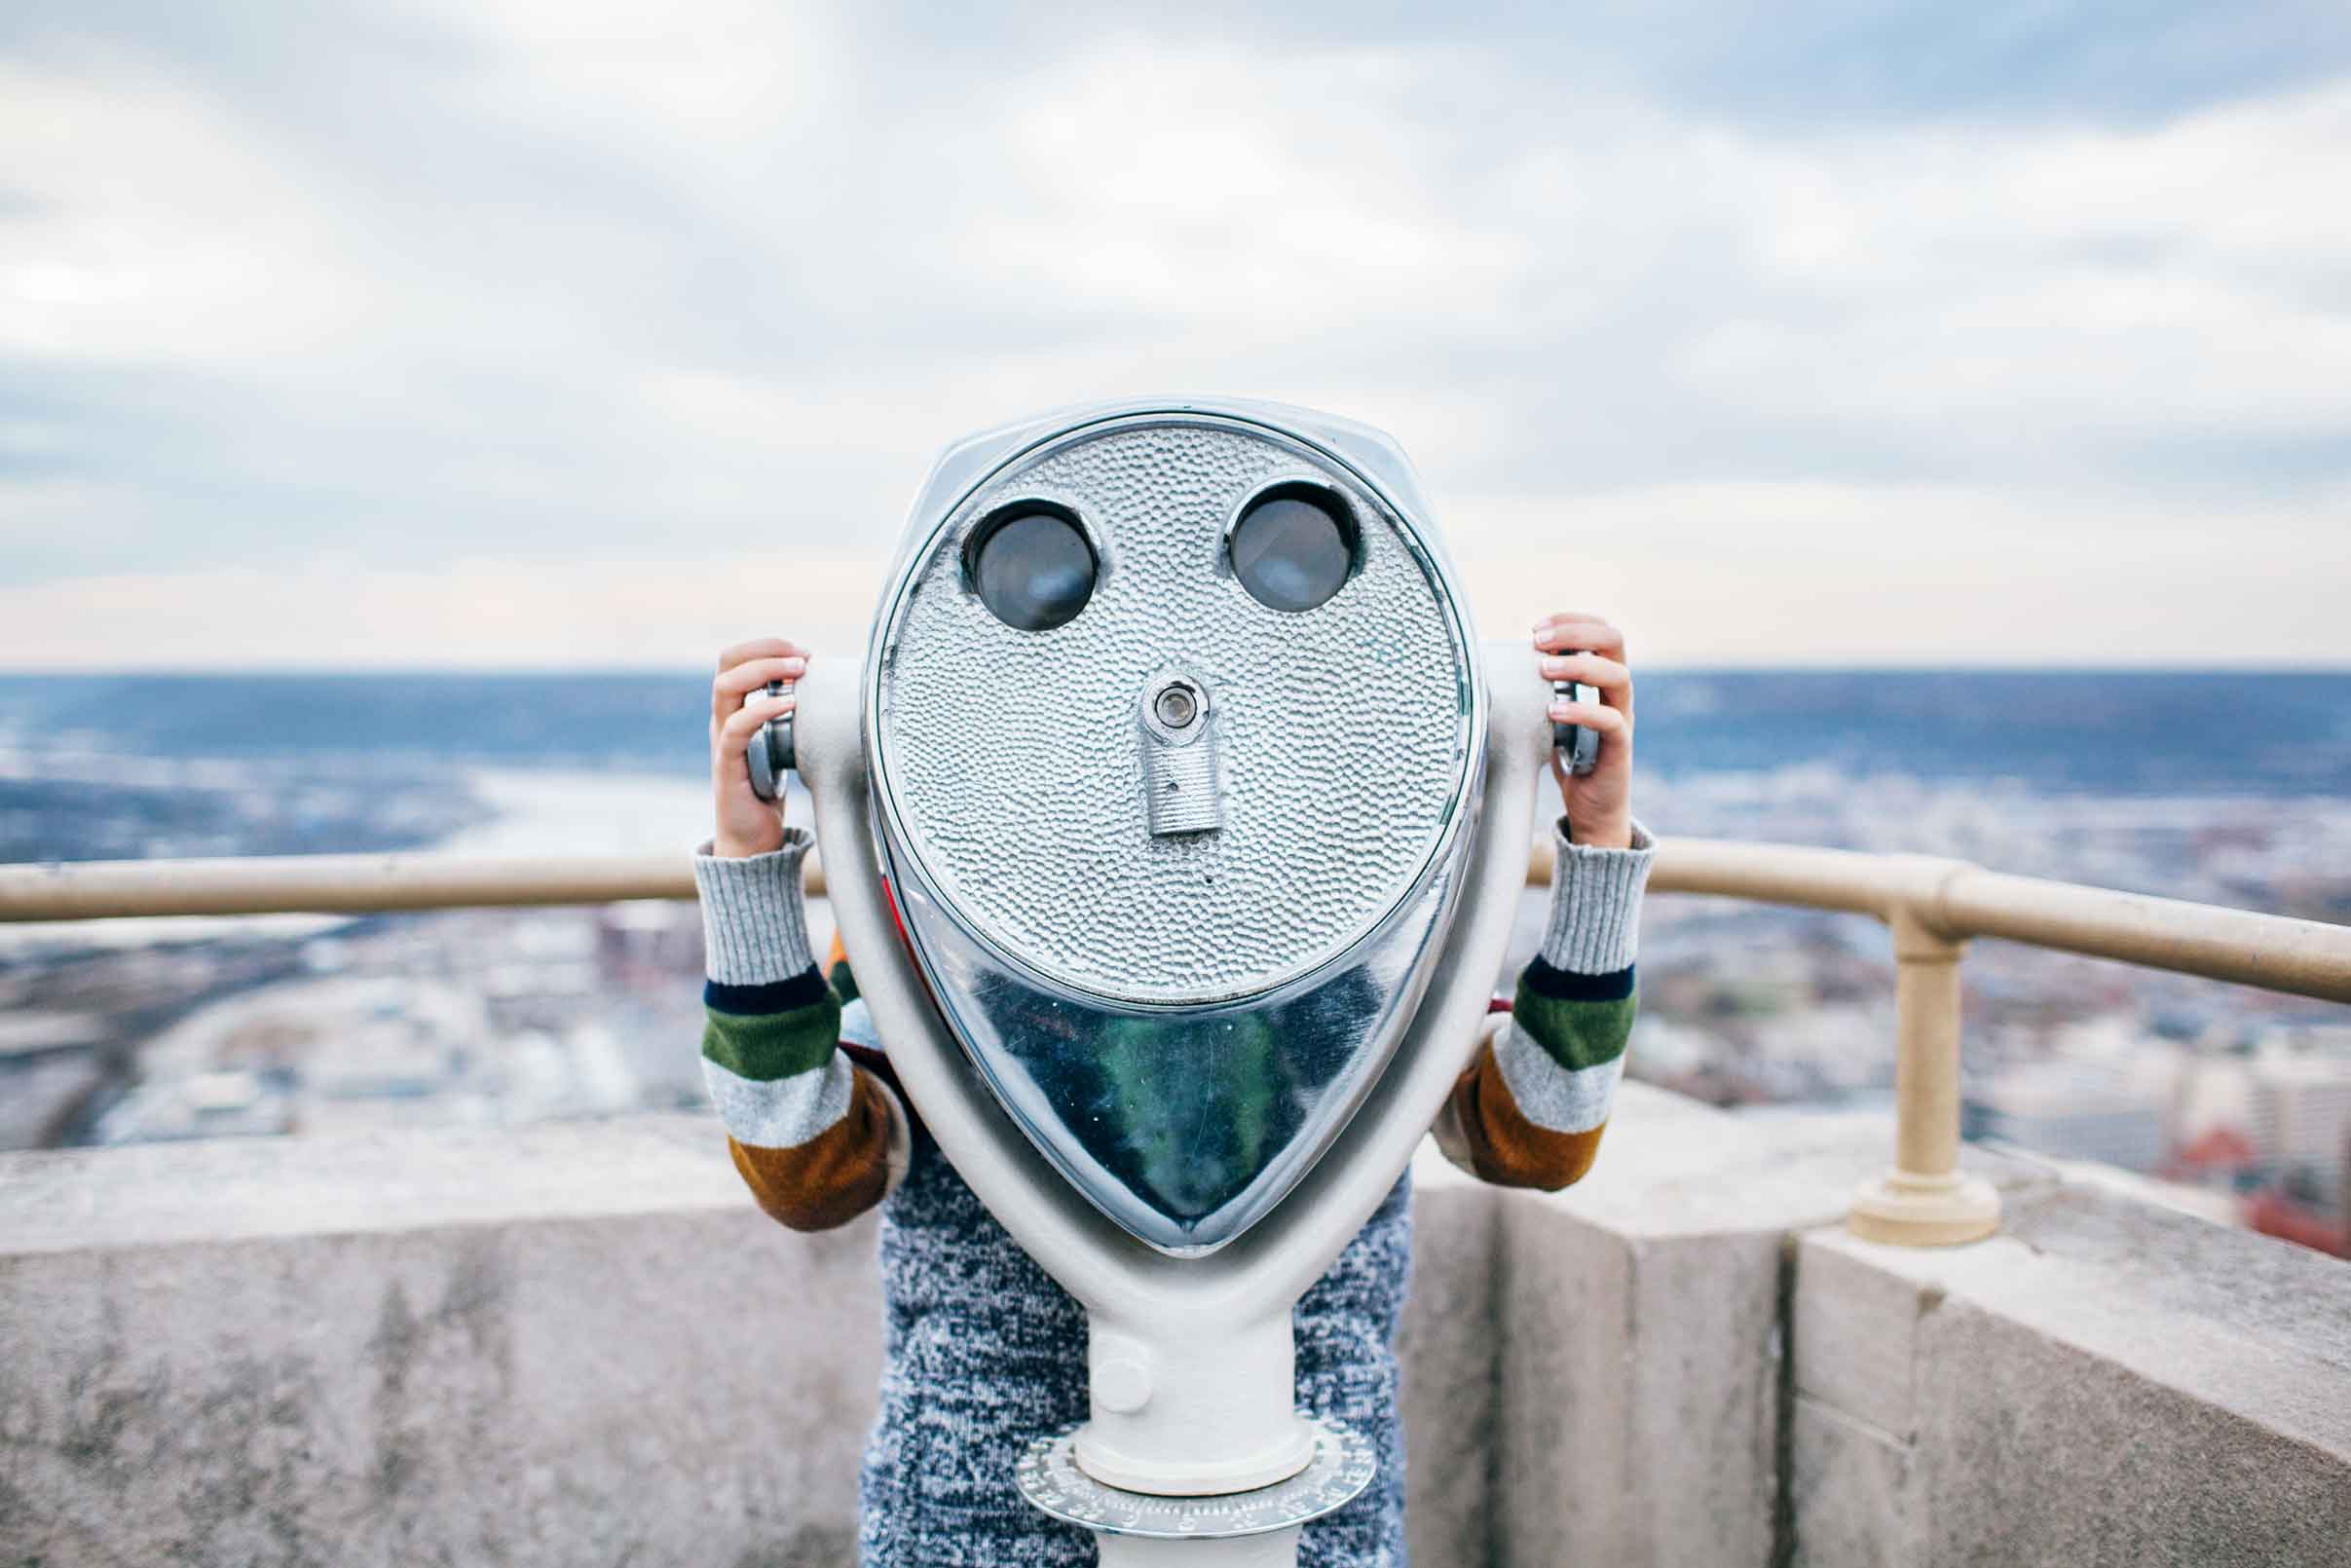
986 1352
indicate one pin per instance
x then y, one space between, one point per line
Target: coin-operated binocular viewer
1174 832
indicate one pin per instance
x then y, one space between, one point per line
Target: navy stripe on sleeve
1565 986
775 996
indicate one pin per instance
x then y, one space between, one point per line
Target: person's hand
747 824
1587 649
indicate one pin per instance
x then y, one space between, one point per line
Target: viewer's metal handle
1579 745
771 756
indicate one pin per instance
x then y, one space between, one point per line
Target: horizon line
2241 666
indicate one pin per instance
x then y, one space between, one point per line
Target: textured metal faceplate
1012 761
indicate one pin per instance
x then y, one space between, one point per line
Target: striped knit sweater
982 1349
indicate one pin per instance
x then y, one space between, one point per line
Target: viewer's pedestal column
1276 1548
1195 1453
1924 1201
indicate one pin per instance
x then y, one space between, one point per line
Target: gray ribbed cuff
754 930
1595 923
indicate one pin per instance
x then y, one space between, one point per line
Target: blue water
657 722
2053 732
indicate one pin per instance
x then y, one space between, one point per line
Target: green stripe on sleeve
774 1045
1577 1033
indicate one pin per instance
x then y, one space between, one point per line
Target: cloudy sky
559 332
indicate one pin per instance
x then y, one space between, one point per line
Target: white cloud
153 229
1697 574
557 289
1799 573
2136 284
475 613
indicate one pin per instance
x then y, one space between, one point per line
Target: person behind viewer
983 1350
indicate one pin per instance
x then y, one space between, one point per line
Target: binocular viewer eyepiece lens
1293 546
1032 566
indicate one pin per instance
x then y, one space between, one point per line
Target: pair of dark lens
1032 566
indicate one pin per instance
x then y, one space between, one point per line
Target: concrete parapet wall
2101 1383
1642 1324
582 1345
569 1345
566 1345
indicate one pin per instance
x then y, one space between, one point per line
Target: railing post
1924 1201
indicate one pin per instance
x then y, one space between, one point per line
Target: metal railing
1931 906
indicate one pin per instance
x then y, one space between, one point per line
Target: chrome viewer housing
1167 905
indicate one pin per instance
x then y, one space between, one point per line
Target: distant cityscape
2233 1102
2230 1102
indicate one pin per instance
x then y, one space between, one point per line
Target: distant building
2304 1095
2108 1098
